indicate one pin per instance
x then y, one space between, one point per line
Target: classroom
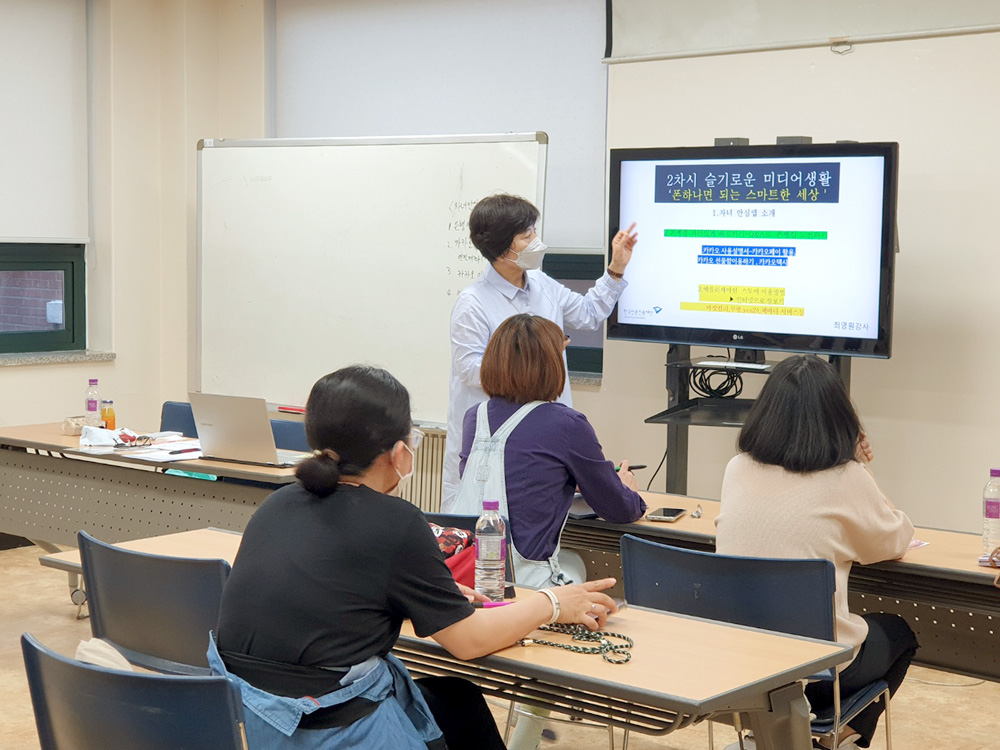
136 84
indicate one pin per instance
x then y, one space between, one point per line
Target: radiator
425 487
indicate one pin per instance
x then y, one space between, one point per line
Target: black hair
803 419
357 413
496 220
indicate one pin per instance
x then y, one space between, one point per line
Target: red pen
185 450
490 605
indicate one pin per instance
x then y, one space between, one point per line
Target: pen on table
490 605
185 450
632 468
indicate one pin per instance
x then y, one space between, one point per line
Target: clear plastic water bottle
491 551
991 513
92 400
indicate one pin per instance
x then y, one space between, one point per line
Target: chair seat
850 706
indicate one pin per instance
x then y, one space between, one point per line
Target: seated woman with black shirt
328 569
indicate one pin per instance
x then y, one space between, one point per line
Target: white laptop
238 429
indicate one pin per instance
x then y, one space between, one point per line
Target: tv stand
684 412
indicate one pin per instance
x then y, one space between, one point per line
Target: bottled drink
991 513
92 400
108 413
491 551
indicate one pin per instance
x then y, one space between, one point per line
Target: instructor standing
502 227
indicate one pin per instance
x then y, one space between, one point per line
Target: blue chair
176 416
156 610
289 435
787 596
84 707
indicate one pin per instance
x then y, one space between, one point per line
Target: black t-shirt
328 581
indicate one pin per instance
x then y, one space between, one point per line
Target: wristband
615 275
555 604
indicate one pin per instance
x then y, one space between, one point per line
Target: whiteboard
316 254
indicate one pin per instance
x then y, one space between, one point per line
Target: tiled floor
931 710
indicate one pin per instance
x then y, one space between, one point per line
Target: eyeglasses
416 438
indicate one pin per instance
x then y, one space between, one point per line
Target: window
585 354
42 297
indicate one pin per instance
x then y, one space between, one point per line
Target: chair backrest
289 434
788 596
176 416
468 523
156 610
84 707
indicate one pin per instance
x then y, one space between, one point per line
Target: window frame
68 258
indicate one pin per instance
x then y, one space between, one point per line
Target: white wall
931 409
170 72
440 67
164 73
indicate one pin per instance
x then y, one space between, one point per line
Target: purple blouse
550 453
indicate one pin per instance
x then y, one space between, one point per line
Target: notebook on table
238 429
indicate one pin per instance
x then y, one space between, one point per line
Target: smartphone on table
666 514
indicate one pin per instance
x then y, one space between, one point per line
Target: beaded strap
614 653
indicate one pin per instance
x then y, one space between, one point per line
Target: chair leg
711 736
738 725
888 722
510 722
611 737
625 740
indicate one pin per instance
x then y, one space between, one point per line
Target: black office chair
84 707
157 611
787 596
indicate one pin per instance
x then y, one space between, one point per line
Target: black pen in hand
632 468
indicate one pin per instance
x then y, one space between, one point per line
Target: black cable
705 382
658 467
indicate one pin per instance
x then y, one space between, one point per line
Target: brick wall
23 295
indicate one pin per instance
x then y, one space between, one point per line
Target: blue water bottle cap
491 505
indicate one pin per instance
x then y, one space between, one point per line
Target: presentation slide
776 245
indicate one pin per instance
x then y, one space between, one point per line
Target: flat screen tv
784 247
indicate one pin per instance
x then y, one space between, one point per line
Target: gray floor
932 709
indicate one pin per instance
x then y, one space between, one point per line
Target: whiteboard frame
540 137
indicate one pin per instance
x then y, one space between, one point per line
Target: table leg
786 725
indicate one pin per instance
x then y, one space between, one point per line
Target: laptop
238 429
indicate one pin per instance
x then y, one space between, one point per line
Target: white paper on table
167 453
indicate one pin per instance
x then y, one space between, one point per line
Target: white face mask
404 479
530 259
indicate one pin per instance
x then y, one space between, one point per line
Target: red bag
463 566
459 554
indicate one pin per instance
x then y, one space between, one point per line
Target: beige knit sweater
839 514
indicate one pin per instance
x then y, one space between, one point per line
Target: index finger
599 585
629 230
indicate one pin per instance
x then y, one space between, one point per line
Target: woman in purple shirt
531 453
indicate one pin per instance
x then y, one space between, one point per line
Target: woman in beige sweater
800 488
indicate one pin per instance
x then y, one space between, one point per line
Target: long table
948 599
50 489
683 670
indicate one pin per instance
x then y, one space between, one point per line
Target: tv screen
785 247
